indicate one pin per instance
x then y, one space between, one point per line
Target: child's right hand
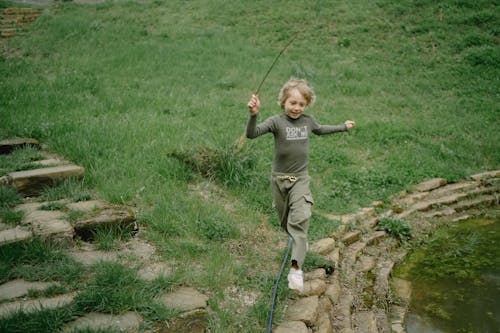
254 104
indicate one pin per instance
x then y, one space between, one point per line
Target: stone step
35 305
14 235
126 322
7 146
19 287
30 182
342 313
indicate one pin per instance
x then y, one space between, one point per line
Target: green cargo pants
293 200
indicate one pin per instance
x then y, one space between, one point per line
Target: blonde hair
302 86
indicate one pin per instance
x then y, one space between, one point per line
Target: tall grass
122 88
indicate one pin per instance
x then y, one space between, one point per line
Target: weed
11 217
53 206
396 228
51 291
9 197
109 238
228 164
314 261
73 215
43 321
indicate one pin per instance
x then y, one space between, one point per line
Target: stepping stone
7 146
50 225
351 237
13 235
19 287
89 258
35 305
291 327
430 184
366 322
323 246
86 206
486 175
153 271
304 309
116 216
30 182
127 322
185 299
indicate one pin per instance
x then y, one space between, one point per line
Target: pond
455 279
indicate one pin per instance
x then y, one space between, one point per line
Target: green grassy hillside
150 97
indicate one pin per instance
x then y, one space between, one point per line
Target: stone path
53 225
360 296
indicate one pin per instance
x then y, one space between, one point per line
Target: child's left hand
349 124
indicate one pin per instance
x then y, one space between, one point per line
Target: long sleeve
254 130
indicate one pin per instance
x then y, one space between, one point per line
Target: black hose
275 291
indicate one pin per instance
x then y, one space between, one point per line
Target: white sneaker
296 280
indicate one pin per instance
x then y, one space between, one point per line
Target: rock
20 287
486 175
127 322
86 206
319 273
402 288
185 299
30 182
314 287
304 309
366 322
333 290
323 246
291 327
376 237
153 271
324 324
50 225
89 258
398 314
35 305
351 237
7 146
365 263
13 235
116 216
430 184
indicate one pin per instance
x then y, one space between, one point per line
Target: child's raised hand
254 104
349 124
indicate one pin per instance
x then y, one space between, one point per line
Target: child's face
295 104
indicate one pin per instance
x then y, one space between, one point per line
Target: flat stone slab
304 309
35 305
86 206
430 184
323 246
291 327
153 271
185 299
13 235
89 258
127 322
112 216
50 225
7 146
19 287
31 181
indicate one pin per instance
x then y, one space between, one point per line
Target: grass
150 97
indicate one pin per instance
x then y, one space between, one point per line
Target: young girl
290 179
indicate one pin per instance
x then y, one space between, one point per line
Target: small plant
20 159
69 188
215 230
12 217
228 164
51 291
74 215
53 206
314 261
396 228
108 238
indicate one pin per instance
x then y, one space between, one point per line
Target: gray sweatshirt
291 139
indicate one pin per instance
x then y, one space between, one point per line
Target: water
456 280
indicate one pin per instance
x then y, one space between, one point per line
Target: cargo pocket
309 198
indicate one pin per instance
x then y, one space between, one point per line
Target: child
290 179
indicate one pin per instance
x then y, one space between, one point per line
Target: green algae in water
456 280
